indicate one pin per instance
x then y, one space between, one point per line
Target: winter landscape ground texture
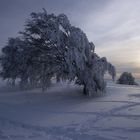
63 113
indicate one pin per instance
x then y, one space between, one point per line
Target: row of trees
50 46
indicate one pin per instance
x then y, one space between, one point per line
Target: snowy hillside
64 113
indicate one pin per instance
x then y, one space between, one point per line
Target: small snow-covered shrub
126 79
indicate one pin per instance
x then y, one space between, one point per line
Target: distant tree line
49 46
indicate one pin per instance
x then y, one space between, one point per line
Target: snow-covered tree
126 78
55 48
10 59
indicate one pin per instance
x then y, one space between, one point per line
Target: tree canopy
50 46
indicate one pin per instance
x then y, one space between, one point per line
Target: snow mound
64 113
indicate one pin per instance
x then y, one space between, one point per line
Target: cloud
14 13
113 25
115 30
118 18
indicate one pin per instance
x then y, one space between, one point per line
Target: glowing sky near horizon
112 25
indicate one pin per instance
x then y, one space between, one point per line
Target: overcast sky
112 25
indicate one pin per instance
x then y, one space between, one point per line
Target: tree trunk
86 91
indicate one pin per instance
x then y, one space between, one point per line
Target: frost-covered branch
50 46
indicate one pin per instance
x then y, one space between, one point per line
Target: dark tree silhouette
50 46
126 78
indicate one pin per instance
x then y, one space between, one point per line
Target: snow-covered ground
64 113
